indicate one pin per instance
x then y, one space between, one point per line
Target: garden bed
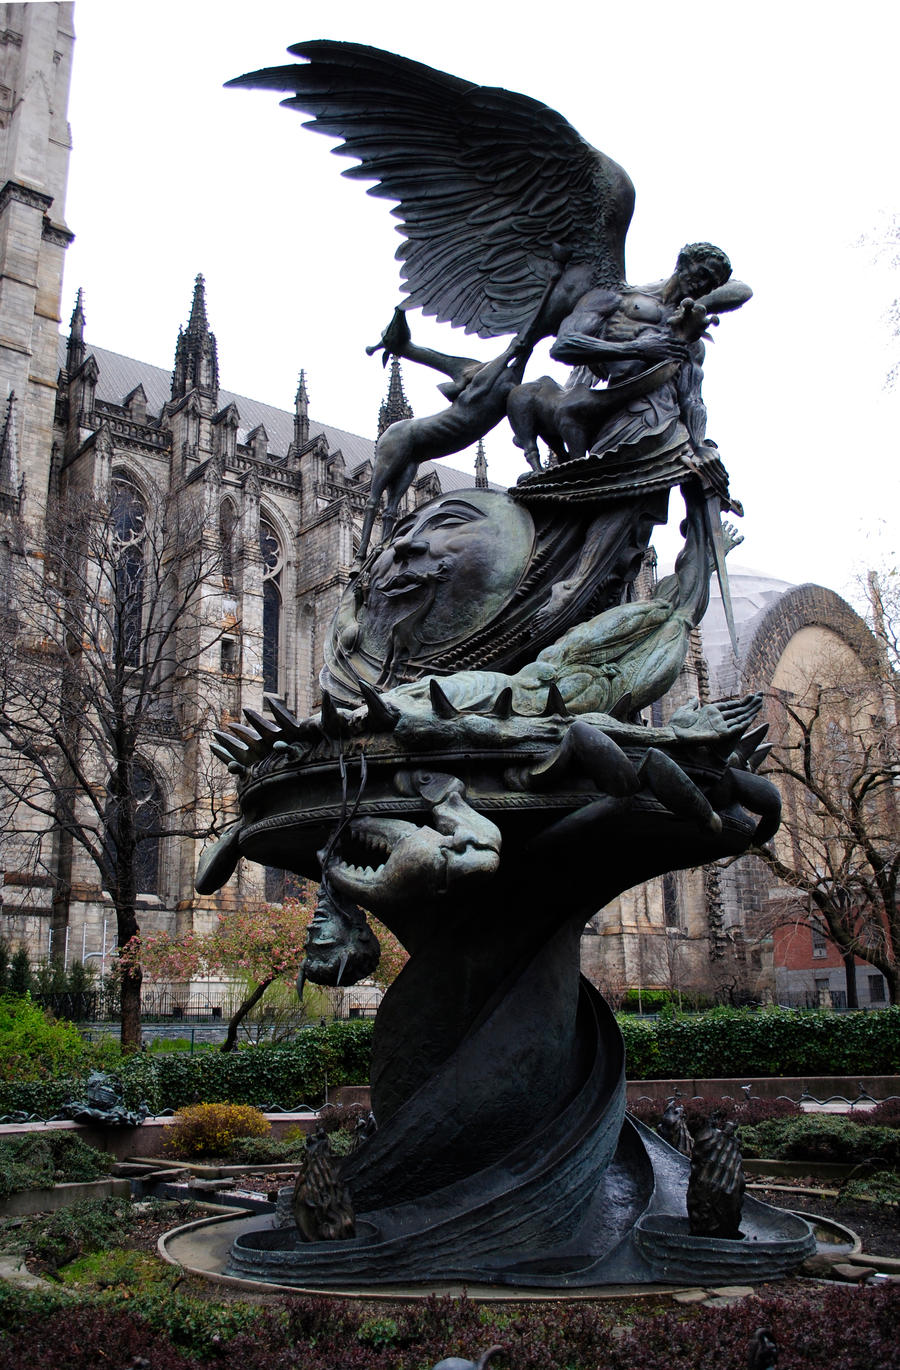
877 1225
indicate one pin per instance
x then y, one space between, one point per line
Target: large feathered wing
486 181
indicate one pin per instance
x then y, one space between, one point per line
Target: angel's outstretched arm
396 341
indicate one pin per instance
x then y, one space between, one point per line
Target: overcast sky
769 129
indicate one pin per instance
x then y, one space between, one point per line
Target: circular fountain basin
772 1250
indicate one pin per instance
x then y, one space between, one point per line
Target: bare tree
883 246
101 668
836 758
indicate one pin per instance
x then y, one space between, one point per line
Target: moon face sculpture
449 570
479 773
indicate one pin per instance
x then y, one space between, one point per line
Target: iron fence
162 1004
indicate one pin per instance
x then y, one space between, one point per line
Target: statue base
632 1229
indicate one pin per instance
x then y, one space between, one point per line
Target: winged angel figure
513 224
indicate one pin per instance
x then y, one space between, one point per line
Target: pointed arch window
671 900
272 558
128 526
146 797
147 822
227 524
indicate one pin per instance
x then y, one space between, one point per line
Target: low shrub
172 1330
37 1160
882 1187
266 1150
822 1137
58 1238
745 1112
290 1148
884 1114
211 1129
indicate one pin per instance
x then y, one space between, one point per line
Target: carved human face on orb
448 570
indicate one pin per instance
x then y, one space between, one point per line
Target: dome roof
753 593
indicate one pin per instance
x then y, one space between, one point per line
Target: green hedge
722 1042
42 1098
296 1072
726 1042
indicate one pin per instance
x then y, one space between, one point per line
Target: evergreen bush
18 980
38 1160
277 1075
822 1137
721 1043
33 1046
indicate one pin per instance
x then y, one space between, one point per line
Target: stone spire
196 357
9 455
301 412
481 476
75 346
395 404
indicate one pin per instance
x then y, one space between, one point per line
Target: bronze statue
486 678
762 1351
674 1130
478 394
103 1103
321 1203
513 223
457 1363
715 1195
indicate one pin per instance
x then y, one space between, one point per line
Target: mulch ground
878 1225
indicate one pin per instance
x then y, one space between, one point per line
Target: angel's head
700 268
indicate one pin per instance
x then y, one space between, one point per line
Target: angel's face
700 276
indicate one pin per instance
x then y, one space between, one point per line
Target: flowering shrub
259 946
210 1129
263 944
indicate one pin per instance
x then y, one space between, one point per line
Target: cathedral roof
120 375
